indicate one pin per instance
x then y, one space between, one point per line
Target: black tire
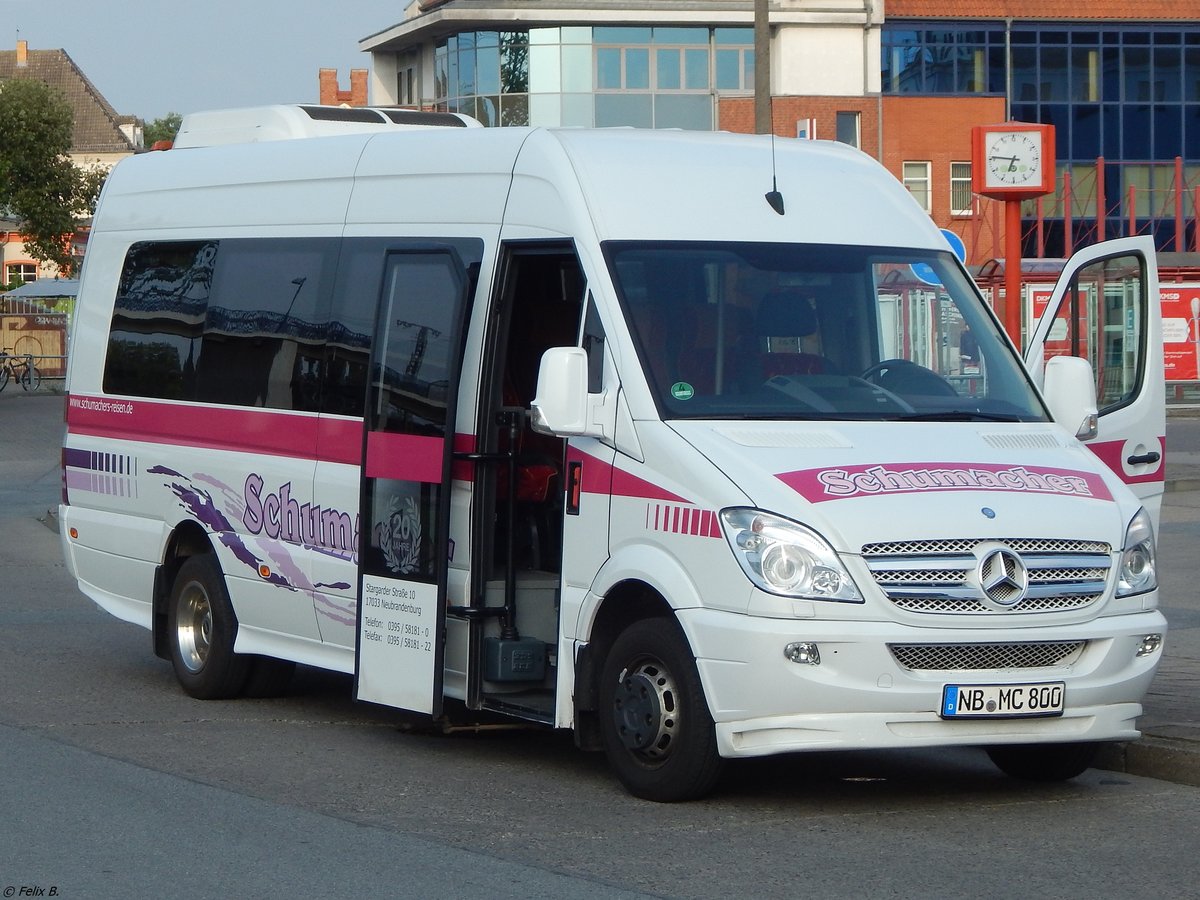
3 377
268 677
1043 762
31 378
201 628
654 722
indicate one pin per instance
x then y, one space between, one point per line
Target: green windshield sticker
681 390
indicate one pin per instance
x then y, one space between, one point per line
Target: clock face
1013 159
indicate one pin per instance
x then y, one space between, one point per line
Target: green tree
163 129
39 185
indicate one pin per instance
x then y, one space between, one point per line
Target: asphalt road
113 783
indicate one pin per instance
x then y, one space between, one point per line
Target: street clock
1013 160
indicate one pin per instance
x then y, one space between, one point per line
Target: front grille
943 657
938 576
966 545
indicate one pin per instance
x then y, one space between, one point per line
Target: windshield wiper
762 417
959 415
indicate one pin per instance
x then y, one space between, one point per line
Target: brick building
331 93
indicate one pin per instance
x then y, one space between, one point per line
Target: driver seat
784 319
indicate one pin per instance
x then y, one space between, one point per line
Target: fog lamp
1149 644
803 652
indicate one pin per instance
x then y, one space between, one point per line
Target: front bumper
860 697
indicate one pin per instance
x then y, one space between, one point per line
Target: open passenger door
404 533
1105 308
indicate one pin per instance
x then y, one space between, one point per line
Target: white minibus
704 446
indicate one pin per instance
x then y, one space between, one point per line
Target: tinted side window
360 284
351 326
264 333
241 322
593 343
1102 319
154 341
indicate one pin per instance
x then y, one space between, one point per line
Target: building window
960 189
406 86
916 179
407 90
937 61
734 59
848 128
20 272
653 77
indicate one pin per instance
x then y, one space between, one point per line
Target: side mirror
1070 392
561 405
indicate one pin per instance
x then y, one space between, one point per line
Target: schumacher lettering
279 515
863 481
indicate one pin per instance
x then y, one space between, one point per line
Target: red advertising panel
1058 342
1181 331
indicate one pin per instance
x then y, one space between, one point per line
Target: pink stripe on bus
404 457
271 432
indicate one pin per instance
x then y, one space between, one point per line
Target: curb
1166 759
1182 484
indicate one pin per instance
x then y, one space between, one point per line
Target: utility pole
762 68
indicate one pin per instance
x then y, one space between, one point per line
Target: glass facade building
1124 92
650 77
1127 92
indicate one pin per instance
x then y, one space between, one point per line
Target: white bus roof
278 123
615 184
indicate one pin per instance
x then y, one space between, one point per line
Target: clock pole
1012 270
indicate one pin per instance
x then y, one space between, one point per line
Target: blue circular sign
924 271
956 244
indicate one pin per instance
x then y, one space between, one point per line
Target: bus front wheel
657 731
1043 762
202 628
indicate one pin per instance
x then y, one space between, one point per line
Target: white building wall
381 86
825 60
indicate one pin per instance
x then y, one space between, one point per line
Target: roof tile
96 122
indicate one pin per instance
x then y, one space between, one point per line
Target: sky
153 57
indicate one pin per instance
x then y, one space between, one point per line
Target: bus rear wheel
656 728
1043 762
201 631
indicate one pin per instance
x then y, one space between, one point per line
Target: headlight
1138 572
785 558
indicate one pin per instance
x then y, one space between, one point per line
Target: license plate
1002 701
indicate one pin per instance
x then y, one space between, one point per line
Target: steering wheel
903 376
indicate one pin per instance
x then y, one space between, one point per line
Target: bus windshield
810 331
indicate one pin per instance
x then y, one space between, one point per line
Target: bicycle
20 368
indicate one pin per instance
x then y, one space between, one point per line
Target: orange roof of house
1122 10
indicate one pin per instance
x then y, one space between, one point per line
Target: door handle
1144 458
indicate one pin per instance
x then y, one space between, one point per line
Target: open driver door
1105 308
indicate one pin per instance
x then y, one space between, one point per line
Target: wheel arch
650 567
187 539
626 602
638 582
